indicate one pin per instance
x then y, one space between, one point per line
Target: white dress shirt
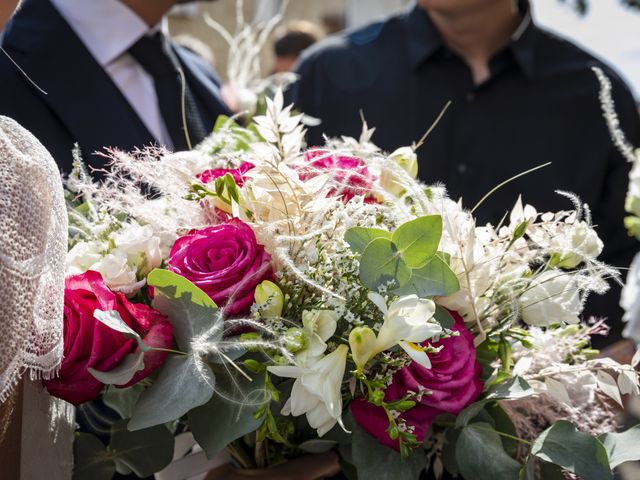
108 28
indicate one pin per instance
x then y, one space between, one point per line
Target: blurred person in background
290 41
104 74
520 97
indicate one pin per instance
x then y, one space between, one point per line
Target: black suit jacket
80 102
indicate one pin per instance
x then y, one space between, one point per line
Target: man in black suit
103 74
520 97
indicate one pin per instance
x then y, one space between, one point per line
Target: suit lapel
203 86
78 90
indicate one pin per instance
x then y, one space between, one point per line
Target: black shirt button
462 168
470 97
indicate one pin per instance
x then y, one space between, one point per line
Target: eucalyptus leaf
123 373
380 264
512 389
91 459
574 451
622 447
480 455
229 414
443 317
113 320
374 460
418 240
191 312
435 278
143 452
122 400
317 445
184 382
359 237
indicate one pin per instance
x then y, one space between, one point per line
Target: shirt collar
106 27
423 38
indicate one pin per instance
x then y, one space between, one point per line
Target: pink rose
90 344
225 261
350 173
209 176
453 380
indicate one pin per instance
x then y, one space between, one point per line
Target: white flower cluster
124 257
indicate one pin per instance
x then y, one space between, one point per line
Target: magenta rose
350 173
451 384
89 343
238 174
225 261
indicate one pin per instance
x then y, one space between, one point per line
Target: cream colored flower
551 298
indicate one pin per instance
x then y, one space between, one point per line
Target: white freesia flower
318 327
551 298
407 159
316 391
408 321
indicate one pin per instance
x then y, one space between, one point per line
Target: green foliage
143 452
381 263
122 400
374 460
480 455
231 413
418 239
123 373
622 447
575 451
407 261
359 237
185 381
443 317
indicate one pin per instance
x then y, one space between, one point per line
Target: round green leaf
381 263
622 447
418 239
434 278
143 452
480 455
573 450
91 459
359 237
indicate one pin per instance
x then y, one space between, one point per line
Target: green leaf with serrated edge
434 279
443 317
622 447
381 264
184 382
374 460
144 452
481 456
123 373
191 312
91 459
113 320
418 240
122 400
229 414
573 450
359 237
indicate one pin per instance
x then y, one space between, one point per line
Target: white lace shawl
33 243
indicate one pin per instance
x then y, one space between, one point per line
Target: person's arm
11 433
309 467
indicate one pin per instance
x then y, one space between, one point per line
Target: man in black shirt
520 97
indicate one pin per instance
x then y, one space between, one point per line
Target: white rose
139 245
82 256
551 298
583 243
117 273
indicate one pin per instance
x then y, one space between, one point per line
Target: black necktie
175 100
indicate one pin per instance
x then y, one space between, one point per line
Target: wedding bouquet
276 300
